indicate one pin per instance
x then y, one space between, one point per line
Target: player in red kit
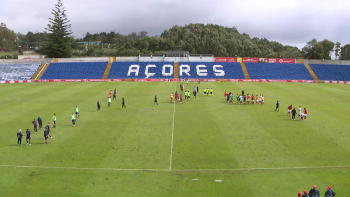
290 107
248 97
305 113
225 95
252 99
110 94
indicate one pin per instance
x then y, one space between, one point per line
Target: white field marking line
40 71
16 98
187 170
333 98
10 99
346 173
172 134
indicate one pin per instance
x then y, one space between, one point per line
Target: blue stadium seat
10 72
81 70
331 72
211 70
156 70
278 71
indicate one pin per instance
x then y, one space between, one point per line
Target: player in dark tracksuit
123 103
115 94
98 106
293 114
19 138
329 192
277 107
40 121
314 192
155 100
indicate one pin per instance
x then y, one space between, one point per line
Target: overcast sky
292 22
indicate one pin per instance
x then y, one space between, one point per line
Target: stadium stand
332 72
119 70
10 72
232 70
85 70
278 71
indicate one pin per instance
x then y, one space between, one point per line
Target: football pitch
201 147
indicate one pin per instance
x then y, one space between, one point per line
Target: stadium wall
335 62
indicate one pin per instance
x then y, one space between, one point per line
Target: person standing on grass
47 128
262 100
115 94
211 91
40 121
54 120
293 114
35 124
155 100
242 92
109 101
252 99
181 98
19 137
290 107
305 194
245 99
257 99
240 99
123 103
299 111
188 95
225 95
110 93
231 99
248 97
28 137
329 192
305 113
73 119
197 88
207 91
194 93
77 110
314 192
277 107
46 136
98 106
299 194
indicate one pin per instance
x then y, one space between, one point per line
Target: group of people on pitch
244 99
35 123
110 100
314 192
292 111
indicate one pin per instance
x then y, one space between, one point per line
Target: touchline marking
187 170
172 134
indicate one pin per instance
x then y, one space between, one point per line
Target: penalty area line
172 134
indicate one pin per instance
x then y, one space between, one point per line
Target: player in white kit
299 111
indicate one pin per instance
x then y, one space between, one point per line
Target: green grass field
129 152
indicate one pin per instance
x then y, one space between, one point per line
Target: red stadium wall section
173 80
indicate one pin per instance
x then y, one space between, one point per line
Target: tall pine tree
58 41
